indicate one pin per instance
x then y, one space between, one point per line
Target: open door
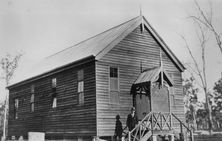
141 96
142 105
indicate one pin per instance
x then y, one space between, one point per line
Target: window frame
81 92
54 82
54 102
16 107
32 100
118 85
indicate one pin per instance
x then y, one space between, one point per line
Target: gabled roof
152 75
97 46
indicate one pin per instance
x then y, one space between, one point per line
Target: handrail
139 125
156 121
136 133
152 121
182 124
125 131
180 121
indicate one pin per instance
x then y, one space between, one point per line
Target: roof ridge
91 37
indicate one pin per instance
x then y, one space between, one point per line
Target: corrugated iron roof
89 47
151 75
148 75
96 46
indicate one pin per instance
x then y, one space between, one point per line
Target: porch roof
151 75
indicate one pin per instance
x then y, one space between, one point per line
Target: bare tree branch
190 72
207 21
194 60
192 69
201 73
204 23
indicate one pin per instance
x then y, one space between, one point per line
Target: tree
217 108
8 65
190 101
202 118
198 70
2 107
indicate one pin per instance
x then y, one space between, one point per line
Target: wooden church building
77 92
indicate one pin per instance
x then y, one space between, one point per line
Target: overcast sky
42 27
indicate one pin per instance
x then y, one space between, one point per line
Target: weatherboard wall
128 55
68 118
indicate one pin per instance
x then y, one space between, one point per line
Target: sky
38 29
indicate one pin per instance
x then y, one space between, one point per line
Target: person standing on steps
132 119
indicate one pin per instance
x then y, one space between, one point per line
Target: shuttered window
54 82
114 85
54 102
32 88
54 93
32 99
16 106
81 87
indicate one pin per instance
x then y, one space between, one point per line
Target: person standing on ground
118 129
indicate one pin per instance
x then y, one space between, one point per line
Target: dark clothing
118 129
131 121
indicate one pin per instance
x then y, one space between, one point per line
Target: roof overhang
152 75
143 83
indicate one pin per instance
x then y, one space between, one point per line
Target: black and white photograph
110 70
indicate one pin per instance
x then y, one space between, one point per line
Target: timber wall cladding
127 56
67 117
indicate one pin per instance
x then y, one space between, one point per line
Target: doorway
143 105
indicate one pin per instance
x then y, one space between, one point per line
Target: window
54 99
32 88
32 102
54 102
54 82
54 95
114 85
16 105
32 99
81 87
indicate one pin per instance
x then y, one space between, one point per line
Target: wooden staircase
160 124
